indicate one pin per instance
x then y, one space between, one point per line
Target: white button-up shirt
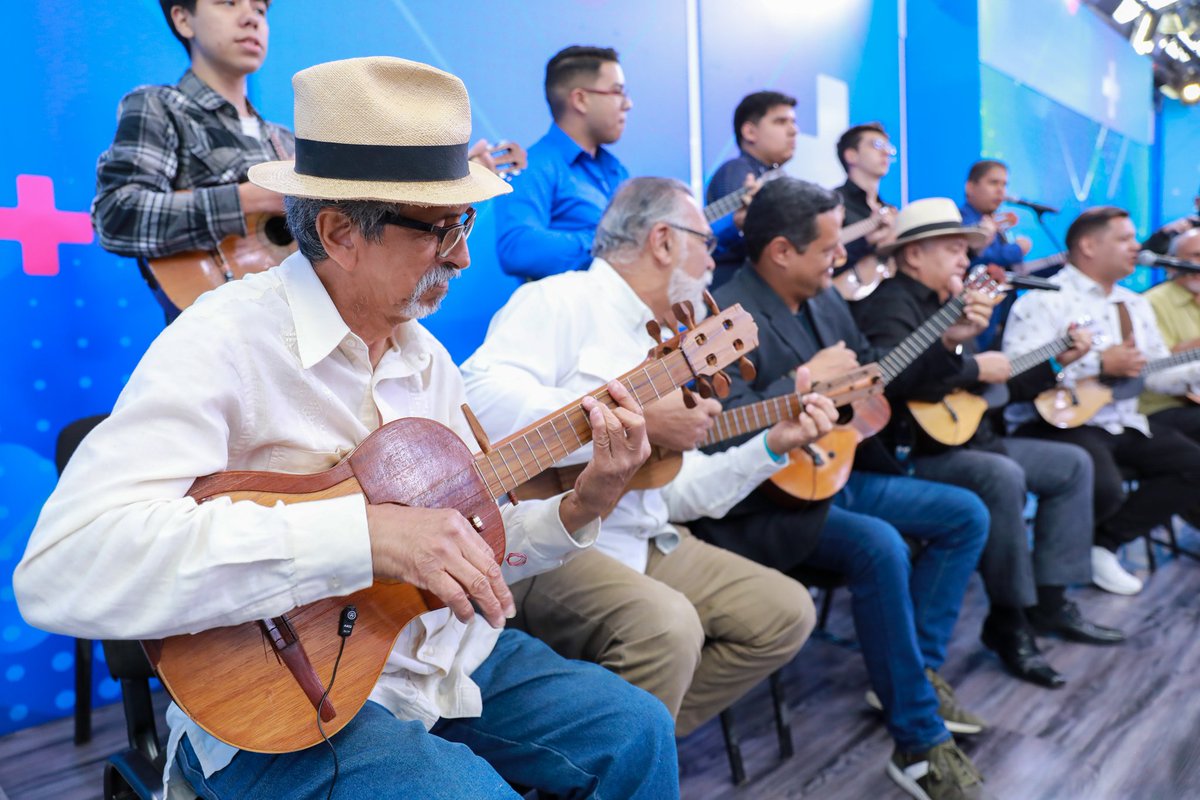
563 336
1039 317
262 374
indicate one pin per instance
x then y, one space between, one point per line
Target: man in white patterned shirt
695 625
1103 247
289 370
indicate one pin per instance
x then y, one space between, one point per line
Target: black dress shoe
1019 652
1067 622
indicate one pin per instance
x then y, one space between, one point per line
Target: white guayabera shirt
262 374
1038 317
568 334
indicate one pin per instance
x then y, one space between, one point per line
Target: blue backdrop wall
74 319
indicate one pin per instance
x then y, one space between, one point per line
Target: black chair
68 441
826 582
136 772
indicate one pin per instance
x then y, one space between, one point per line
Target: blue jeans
567 727
904 612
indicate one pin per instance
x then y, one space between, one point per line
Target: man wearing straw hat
287 371
1026 591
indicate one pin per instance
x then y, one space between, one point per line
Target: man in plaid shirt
174 178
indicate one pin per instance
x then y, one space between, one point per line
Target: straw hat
382 129
929 218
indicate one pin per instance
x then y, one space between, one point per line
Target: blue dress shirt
729 177
546 225
1000 252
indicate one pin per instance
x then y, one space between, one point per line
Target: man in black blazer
904 611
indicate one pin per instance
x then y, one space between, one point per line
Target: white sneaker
1109 575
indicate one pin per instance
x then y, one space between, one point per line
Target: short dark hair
755 106
851 138
1090 221
786 207
567 66
982 167
188 6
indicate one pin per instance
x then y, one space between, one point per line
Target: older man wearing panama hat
1026 591
289 370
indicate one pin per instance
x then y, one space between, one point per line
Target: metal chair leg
733 748
83 690
783 716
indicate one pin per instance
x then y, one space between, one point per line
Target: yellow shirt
1178 316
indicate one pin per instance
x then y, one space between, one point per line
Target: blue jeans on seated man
904 611
567 727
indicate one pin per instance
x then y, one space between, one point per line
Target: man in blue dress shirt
546 225
764 125
987 186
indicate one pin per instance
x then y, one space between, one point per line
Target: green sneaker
941 773
957 719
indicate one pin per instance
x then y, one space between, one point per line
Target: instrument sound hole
277 233
845 414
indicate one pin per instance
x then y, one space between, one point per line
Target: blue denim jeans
904 611
567 727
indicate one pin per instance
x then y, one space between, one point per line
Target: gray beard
684 287
413 308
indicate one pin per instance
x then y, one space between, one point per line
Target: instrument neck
517 458
1027 361
920 340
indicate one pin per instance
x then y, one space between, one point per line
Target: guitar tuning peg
746 369
683 314
689 399
655 330
710 304
720 382
704 387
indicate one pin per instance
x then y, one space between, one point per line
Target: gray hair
637 206
1180 238
367 216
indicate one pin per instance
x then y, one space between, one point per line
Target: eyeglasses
449 236
884 145
621 92
710 239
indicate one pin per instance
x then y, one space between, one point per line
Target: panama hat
929 218
383 129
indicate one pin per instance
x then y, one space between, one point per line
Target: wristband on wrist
778 459
1054 365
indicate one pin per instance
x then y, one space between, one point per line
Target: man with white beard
695 625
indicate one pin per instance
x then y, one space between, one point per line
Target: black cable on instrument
346 622
321 728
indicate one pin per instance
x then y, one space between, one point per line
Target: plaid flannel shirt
168 183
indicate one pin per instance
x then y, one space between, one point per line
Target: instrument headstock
979 280
723 337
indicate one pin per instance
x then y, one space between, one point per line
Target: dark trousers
1186 420
1166 466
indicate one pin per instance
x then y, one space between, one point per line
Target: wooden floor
1126 726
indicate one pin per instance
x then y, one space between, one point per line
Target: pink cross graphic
40 227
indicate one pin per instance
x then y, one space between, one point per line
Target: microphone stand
1040 213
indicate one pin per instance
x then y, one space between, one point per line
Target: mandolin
258 685
663 465
954 419
1069 406
186 276
822 473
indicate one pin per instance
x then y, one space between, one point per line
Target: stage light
1190 93
1143 35
1128 10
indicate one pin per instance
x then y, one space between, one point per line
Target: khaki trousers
698 630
